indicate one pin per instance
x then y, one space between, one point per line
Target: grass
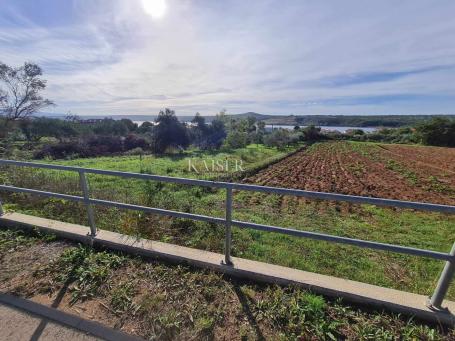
10 240
403 227
88 269
250 158
393 270
397 167
163 302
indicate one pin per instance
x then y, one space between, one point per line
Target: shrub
207 136
438 132
312 133
104 145
353 132
108 126
133 141
37 128
236 139
135 151
278 138
94 146
62 150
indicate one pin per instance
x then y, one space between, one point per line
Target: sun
154 8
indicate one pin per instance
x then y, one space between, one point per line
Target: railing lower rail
435 301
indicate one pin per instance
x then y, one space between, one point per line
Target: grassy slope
177 165
403 227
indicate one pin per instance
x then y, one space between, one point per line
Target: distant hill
364 120
257 116
301 120
344 120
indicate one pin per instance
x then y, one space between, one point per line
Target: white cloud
266 56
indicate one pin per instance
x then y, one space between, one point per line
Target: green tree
130 125
146 127
312 133
169 132
108 126
199 130
278 138
236 139
437 132
51 127
216 133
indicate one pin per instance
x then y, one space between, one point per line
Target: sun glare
154 8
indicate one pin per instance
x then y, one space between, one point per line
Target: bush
62 150
108 126
36 128
207 136
352 132
133 142
135 151
104 145
146 127
312 133
437 132
236 139
278 138
94 146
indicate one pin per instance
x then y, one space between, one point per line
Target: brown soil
436 162
161 296
168 302
437 158
389 171
20 262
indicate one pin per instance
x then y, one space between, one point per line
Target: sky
303 57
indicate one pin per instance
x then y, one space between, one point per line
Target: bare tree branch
20 91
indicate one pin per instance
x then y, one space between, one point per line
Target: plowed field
390 171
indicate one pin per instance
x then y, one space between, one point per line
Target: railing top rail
287 231
246 187
348 198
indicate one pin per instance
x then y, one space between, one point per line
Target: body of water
326 128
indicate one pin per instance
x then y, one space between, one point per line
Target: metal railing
435 302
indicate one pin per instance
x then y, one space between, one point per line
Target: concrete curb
351 291
90 327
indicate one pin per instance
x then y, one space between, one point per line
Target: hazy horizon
111 57
56 114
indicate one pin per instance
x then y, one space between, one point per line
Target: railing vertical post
1 209
443 284
85 193
228 232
